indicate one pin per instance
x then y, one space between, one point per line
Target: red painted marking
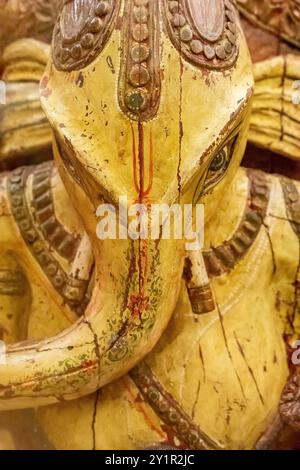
139 181
171 438
139 302
141 407
45 92
44 82
136 184
141 160
150 184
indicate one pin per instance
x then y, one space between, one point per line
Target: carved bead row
168 410
79 51
138 74
139 87
87 41
195 44
200 49
222 259
63 242
72 290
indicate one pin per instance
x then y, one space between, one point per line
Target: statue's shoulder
40 204
288 191
283 189
49 227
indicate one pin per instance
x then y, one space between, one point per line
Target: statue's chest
227 368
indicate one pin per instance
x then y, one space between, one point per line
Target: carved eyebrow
78 172
230 132
237 117
233 133
231 138
224 137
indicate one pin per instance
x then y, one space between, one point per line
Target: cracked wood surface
144 424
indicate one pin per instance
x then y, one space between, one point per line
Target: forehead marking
140 80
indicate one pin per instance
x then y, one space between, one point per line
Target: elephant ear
203 31
81 32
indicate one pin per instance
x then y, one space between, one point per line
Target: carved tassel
198 285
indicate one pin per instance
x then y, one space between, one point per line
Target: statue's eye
217 168
219 162
219 165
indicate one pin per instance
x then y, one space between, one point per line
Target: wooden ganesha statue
133 343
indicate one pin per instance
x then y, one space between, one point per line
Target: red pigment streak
46 93
140 406
136 184
171 436
139 182
141 160
143 268
139 302
44 82
44 90
150 167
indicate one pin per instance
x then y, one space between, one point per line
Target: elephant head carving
149 100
